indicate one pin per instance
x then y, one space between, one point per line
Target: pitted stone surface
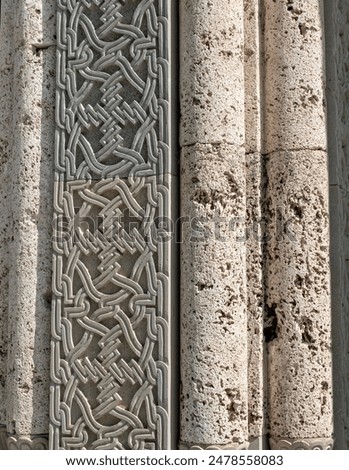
213 300
252 77
213 208
29 298
294 75
298 311
223 199
255 228
6 67
212 76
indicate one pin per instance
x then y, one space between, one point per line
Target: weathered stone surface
253 76
6 101
298 314
212 76
298 310
294 75
213 265
255 243
213 297
29 260
254 226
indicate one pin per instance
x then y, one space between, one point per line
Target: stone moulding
232 446
22 442
301 444
27 443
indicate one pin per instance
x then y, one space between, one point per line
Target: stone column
6 99
213 265
27 136
298 310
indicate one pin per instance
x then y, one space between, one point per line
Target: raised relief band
111 323
15 442
232 446
27 443
301 444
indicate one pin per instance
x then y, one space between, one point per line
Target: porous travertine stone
213 255
213 297
298 316
255 225
31 154
298 310
252 77
6 67
211 76
294 75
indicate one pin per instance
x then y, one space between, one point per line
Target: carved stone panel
111 317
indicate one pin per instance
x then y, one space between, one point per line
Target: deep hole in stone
271 324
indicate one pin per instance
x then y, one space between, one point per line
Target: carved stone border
321 443
7 442
231 446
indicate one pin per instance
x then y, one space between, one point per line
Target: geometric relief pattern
112 256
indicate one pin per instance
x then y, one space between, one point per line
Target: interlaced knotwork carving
112 99
111 263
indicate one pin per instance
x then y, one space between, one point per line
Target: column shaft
298 310
213 264
29 293
6 97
